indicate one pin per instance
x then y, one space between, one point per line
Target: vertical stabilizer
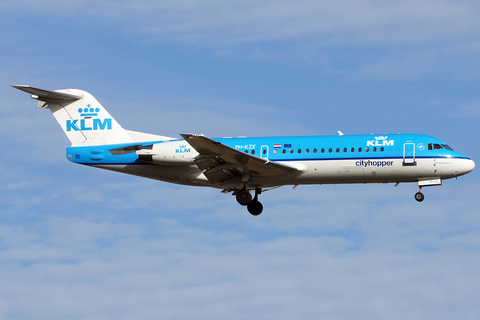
83 119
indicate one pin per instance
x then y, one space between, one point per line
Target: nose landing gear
254 206
419 195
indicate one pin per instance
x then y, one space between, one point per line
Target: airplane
244 165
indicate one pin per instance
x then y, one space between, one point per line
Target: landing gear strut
245 199
419 195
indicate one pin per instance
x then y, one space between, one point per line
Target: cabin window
291 150
330 150
367 149
299 150
307 150
323 150
315 150
253 151
264 151
246 151
274 151
284 151
359 149
382 149
344 149
374 149
352 150
338 150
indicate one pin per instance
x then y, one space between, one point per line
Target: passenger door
409 153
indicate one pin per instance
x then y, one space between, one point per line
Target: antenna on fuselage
340 133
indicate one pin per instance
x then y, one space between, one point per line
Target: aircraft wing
220 162
47 95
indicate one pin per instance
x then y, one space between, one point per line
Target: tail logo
88 111
88 122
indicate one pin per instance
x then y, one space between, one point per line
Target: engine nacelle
168 153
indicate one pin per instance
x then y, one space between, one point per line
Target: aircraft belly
172 174
314 172
357 171
258 181
376 171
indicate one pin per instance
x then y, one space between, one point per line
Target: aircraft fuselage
319 159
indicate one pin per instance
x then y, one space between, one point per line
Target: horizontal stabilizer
47 95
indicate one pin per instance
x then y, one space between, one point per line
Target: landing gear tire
419 196
255 207
244 197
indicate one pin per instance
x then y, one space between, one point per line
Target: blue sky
81 243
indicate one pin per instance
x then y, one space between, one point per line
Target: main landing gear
254 206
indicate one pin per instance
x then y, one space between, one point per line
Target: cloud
178 273
196 115
360 39
251 21
466 109
460 109
406 66
327 23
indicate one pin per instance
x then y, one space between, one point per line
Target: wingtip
20 86
190 135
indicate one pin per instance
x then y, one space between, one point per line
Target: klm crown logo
88 123
89 111
182 149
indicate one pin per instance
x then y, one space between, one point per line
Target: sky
83 243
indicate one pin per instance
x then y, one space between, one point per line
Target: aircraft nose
466 166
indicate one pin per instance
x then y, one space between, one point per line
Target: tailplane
83 119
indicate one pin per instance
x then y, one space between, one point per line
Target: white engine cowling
168 153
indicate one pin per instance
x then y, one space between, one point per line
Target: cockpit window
435 146
447 147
